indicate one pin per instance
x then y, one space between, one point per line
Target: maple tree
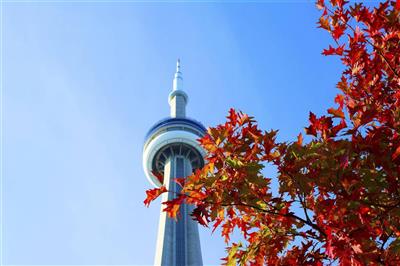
339 193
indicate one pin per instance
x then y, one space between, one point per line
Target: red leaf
311 130
342 84
339 99
334 51
180 181
200 214
159 176
217 223
312 118
231 212
397 6
328 245
338 31
339 127
152 194
364 209
232 116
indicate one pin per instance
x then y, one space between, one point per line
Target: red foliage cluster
339 194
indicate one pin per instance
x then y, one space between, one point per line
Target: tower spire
178 98
177 84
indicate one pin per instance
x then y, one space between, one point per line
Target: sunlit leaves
338 198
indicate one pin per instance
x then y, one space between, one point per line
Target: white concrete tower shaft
178 242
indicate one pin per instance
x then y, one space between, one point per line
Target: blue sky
82 84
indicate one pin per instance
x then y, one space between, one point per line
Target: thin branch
384 242
288 214
304 205
302 202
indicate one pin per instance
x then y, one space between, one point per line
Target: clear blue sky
83 82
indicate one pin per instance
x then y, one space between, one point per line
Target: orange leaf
336 112
173 206
299 139
339 99
324 23
152 194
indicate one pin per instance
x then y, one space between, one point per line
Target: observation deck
172 136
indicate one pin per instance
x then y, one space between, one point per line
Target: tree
339 193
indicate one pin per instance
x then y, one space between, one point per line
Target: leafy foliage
339 194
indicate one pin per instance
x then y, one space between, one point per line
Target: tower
171 148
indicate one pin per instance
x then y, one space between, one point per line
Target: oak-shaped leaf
152 194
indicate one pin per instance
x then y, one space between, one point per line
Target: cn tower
171 148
